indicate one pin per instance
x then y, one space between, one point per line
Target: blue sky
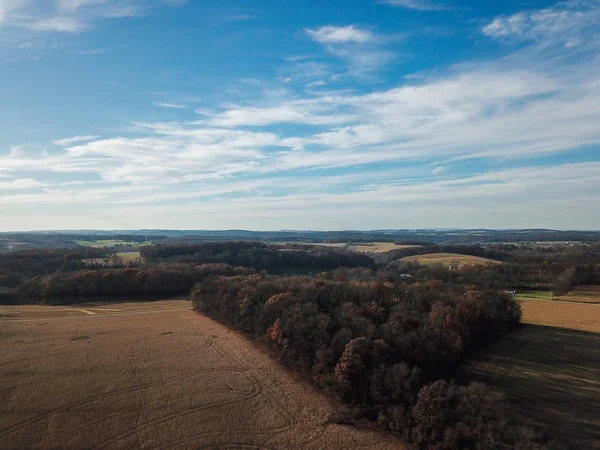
124 114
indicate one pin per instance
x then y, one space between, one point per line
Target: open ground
449 259
152 375
549 370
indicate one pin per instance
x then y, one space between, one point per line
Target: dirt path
152 376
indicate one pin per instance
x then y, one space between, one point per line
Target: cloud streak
419 5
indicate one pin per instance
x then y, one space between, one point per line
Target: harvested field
551 377
576 316
583 294
152 375
449 259
368 247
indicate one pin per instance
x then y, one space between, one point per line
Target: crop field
576 316
549 370
153 375
449 259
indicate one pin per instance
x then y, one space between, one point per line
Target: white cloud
20 183
265 162
361 49
420 5
169 105
69 16
72 140
290 112
565 23
339 35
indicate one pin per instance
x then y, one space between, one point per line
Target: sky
323 115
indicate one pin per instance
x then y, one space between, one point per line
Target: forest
380 332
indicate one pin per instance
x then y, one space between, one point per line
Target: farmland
367 247
549 370
449 259
152 375
576 316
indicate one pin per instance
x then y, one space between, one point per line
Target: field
583 294
449 259
368 247
109 243
576 316
549 370
536 295
152 375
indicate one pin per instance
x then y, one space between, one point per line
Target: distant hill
71 238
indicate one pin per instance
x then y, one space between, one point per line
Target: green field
536 295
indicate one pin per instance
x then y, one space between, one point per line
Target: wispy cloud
568 23
239 17
20 183
360 48
169 105
73 140
94 51
69 16
420 5
378 157
340 35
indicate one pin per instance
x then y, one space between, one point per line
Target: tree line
258 255
20 265
146 282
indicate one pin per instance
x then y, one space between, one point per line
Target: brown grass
576 316
449 259
551 377
584 294
152 375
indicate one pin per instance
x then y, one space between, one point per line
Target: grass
152 375
536 295
550 377
449 259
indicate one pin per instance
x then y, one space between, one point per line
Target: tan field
153 375
449 259
583 294
549 370
575 316
368 247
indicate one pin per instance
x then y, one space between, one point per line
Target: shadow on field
551 377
